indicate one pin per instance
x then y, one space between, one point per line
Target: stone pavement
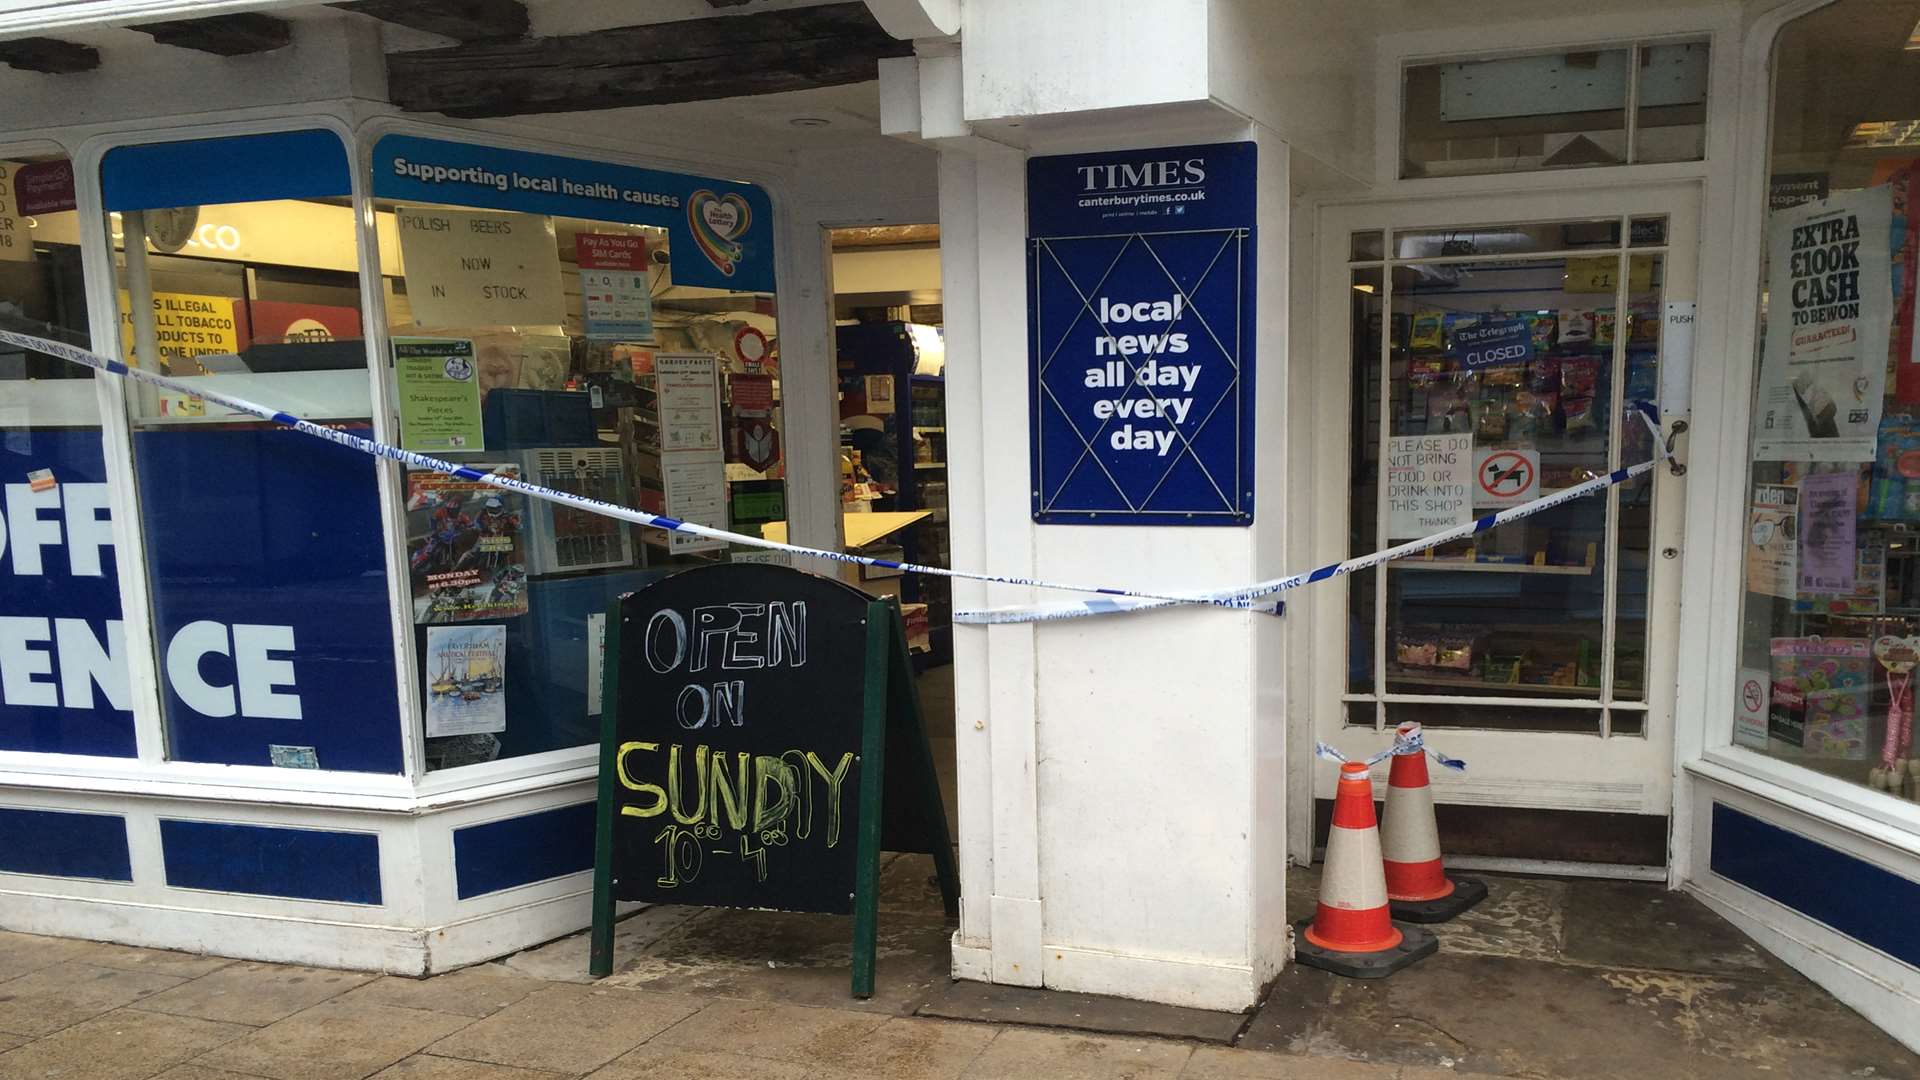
1550 978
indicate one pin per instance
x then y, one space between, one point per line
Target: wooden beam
462 20
656 64
235 34
49 56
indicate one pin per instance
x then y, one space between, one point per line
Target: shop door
1484 352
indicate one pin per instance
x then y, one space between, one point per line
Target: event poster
1773 530
438 385
466 680
466 548
1829 310
1828 532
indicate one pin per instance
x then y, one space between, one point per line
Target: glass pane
1366 245
596 372
1515 114
1626 723
1502 392
1830 608
1670 123
59 590
1445 714
1647 231
1635 564
266 551
1364 508
1506 239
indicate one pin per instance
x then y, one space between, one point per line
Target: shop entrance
1498 350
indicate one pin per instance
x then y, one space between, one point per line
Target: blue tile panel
1873 906
303 864
64 845
519 851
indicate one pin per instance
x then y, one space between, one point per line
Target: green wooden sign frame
890 706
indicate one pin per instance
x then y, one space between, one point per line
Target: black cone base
1415 943
1466 893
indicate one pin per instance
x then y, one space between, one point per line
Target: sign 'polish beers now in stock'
1141 294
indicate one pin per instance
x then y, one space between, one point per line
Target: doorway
1493 351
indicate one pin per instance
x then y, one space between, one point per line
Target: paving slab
1632 924
565 959
907 1048
993 1004
1217 1063
184 965
1521 917
657 1062
794 958
334 1040
428 1067
121 1045
1023 1053
8 1042
475 991
566 1028
767 1030
255 994
1513 1017
23 953
191 1071
65 993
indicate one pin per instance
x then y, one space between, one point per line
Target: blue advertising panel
63 656
270 600
309 164
1141 287
720 232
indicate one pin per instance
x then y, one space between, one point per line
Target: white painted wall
1302 67
1029 59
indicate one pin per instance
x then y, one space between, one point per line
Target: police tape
1111 600
1250 594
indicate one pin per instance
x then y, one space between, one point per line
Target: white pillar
1122 779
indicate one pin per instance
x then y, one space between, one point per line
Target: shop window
1493 366
589 327
63 666
1832 582
1564 110
266 558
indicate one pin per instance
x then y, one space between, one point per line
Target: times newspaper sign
1141 293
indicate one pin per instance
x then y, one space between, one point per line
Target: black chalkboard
752 712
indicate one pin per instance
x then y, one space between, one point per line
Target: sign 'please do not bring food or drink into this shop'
1141 278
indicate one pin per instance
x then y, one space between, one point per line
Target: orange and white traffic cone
1417 882
1352 932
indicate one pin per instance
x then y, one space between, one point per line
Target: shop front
262 696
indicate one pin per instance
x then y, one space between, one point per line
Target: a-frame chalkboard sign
761 744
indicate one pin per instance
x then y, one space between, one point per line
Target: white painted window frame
149 773
1717 518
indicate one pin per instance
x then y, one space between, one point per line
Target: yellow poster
1601 274
186 325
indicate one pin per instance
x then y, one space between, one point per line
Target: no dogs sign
1505 477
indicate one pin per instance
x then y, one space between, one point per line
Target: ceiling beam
49 56
462 20
655 64
236 34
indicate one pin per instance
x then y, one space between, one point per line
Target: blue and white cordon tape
1112 600
1404 742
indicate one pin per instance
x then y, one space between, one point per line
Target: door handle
1676 467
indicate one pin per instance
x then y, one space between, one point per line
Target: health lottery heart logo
718 222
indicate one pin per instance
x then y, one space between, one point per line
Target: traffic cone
1352 932
1417 883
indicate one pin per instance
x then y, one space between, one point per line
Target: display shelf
1463 682
1461 567
929 464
